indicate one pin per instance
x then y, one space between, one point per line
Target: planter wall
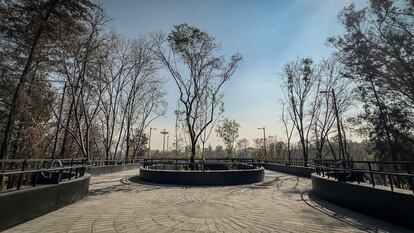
23 205
224 177
394 207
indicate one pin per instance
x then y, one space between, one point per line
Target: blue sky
266 33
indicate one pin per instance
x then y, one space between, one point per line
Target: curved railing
33 172
185 161
393 174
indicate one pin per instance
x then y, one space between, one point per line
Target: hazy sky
266 33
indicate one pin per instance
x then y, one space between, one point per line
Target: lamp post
338 124
168 139
264 140
149 141
163 141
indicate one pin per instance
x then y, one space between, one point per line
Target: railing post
412 184
10 182
35 179
317 169
336 174
60 176
410 180
371 175
70 170
1 182
321 168
391 185
19 183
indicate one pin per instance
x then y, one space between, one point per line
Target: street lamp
264 139
163 141
338 124
168 139
149 141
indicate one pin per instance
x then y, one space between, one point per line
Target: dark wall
292 170
394 207
96 171
202 178
23 205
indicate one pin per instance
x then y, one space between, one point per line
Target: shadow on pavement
349 217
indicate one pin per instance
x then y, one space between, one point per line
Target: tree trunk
66 134
128 140
193 152
305 152
289 153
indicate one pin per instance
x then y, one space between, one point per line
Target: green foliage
377 53
184 37
191 57
139 145
228 131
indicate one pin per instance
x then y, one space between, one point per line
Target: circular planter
246 175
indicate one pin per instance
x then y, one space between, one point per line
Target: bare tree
189 55
111 88
288 131
300 83
331 80
147 105
205 116
25 26
134 96
81 65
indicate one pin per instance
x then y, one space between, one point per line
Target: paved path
279 204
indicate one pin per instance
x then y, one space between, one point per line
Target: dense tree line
70 87
373 69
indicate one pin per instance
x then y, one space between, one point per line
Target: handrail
399 173
368 161
15 179
42 170
16 173
38 160
347 171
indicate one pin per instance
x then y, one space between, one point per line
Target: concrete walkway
282 203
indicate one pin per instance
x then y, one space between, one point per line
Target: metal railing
18 173
17 164
392 174
112 162
185 161
292 162
33 172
